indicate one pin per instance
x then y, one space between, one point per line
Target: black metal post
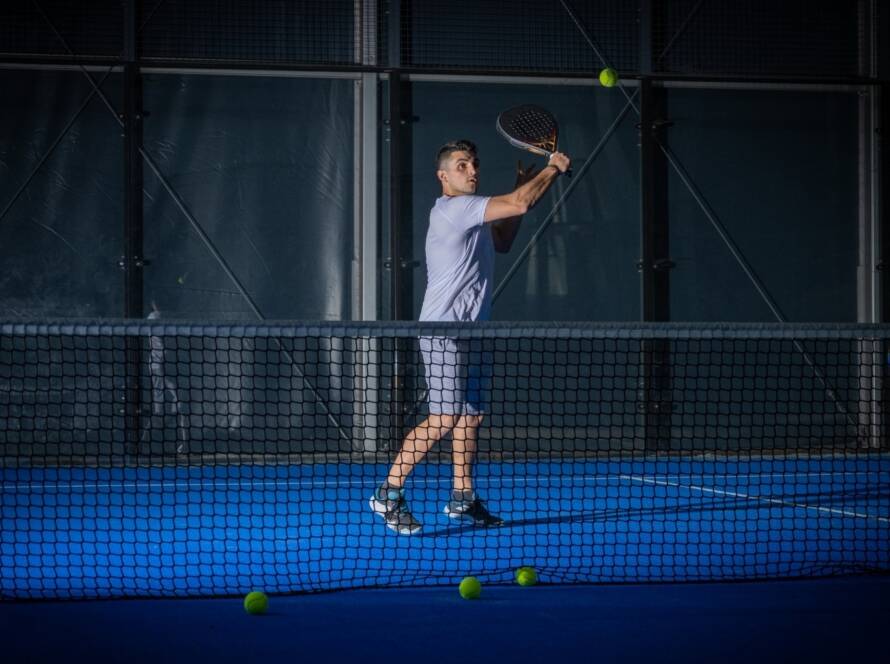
132 261
655 264
395 130
882 67
393 262
646 37
883 223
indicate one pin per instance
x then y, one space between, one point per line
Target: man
464 232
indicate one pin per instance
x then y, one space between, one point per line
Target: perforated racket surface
531 128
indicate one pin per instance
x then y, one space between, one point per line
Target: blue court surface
227 529
613 542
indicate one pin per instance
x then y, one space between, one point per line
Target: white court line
669 480
761 499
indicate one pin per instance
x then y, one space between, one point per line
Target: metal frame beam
654 395
366 281
488 79
868 283
392 265
655 261
132 260
369 201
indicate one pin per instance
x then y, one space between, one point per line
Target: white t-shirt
459 261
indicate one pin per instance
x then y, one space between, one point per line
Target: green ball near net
470 588
256 603
526 576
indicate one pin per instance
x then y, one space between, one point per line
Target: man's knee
444 421
471 421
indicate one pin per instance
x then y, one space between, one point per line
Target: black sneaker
472 510
392 506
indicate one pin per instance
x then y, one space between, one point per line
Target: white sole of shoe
379 508
376 506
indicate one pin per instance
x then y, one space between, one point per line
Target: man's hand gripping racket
531 128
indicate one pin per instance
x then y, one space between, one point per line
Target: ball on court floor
526 576
256 603
520 569
608 77
470 588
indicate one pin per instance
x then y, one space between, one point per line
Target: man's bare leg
417 444
388 500
463 451
464 503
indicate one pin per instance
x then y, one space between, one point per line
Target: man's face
459 174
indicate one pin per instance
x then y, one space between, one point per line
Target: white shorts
458 375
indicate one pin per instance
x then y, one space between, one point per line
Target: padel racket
529 127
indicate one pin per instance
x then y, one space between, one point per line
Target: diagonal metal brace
200 231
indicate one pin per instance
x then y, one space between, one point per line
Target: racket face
530 127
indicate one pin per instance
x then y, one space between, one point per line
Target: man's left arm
503 231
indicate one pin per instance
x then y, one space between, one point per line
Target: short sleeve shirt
459 261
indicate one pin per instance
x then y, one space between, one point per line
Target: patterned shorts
458 375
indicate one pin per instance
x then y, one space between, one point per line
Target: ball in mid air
608 77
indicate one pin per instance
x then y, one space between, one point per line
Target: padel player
464 232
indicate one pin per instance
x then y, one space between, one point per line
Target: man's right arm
519 201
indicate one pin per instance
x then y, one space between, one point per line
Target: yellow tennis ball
608 77
470 588
256 603
527 576
520 570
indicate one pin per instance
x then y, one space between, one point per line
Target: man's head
457 168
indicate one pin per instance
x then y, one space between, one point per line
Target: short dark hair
461 145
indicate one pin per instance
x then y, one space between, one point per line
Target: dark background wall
784 183
266 166
62 238
251 113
